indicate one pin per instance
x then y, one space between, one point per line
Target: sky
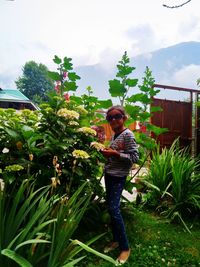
89 31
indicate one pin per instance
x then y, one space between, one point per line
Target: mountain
177 65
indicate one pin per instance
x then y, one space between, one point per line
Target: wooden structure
13 98
178 116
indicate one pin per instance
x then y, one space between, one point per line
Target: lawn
153 240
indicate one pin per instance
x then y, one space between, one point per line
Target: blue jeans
114 188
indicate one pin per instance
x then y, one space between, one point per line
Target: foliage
153 241
34 82
137 105
53 145
57 148
65 78
19 227
37 226
174 182
120 87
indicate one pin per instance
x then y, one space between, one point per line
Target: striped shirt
125 144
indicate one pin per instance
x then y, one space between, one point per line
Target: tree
177 6
35 82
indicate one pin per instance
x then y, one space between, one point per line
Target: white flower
73 123
80 154
87 131
68 114
97 145
81 110
5 150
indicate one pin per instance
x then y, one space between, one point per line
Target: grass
154 242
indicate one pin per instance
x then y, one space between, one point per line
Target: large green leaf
73 76
124 70
16 257
13 134
155 109
67 63
133 111
54 75
69 86
157 130
105 103
131 82
57 60
116 88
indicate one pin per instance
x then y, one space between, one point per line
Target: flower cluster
14 168
97 145
81 110
73 123
57 86
68 114
80 154
87 131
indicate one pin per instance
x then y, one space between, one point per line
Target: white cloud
187 76
89 31
143 39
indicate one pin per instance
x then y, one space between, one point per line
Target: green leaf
144 116
95 252
72 263
73 76
67 63
57 60
135 98
105 103
133 111
16 257
124 71
157 130
131 82
54 75
76 99
69 86
31 241
13 134
155 109
116 88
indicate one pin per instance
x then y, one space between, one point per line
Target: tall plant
137 105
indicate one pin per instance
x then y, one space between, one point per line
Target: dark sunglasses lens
116 117
109 118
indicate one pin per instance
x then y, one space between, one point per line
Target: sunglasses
116 117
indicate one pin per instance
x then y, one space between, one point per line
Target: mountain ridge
176 65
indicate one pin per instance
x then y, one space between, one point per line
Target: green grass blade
32 241
16 257
72 263
95 252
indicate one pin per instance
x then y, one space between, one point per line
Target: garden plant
51 170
